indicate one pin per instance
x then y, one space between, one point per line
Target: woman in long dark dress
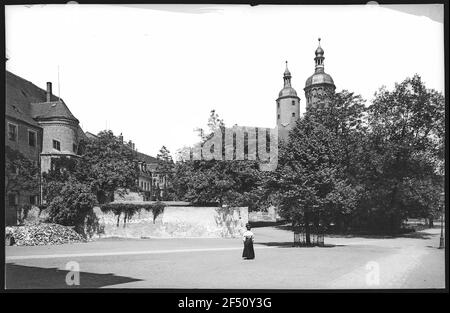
248 237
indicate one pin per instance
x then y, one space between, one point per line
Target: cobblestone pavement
409 261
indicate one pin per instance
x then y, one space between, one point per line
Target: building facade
41 127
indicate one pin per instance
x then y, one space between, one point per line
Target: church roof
287 92
319 78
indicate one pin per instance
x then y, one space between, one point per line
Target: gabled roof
26 101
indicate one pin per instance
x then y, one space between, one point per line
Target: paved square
409 261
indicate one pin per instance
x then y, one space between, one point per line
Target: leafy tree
108 166
229 183
406 149
309 183
166 167
232 183
21 173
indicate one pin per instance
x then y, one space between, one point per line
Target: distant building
40 126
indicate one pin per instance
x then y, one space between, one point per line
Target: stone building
40 126
288 107
318 89
320 85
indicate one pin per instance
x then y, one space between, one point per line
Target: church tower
320 85
288 107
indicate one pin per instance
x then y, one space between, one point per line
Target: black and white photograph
225 147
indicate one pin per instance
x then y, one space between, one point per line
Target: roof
318 79
146 158
50 110
19 94
91 135
26 101
287 92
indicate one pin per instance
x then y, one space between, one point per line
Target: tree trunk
307 230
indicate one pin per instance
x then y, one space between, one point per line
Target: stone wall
271 215
174 222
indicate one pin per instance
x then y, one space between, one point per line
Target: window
56 145
293 114
293 102
12 132
74 148
33 200
278 104
278 116
12 199
31 138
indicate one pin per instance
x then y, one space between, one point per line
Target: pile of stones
41 234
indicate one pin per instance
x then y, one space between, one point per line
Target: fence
316 236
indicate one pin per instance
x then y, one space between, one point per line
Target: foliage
231 183
404 153
166 167
21 173
108 165
128 209
309 183
71 203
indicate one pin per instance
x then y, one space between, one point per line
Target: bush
72 204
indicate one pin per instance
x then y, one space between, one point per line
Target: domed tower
288 107
320 85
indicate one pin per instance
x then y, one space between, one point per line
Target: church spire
287 77
319 59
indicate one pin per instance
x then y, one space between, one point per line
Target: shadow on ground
29 277
290 244
266 224
410 234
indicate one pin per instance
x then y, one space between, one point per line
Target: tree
166 167
309 183
406 149
21 173
108 166
231 183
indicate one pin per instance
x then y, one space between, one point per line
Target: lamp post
441 239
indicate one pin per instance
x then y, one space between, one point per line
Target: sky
154 72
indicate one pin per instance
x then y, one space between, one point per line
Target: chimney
49 91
